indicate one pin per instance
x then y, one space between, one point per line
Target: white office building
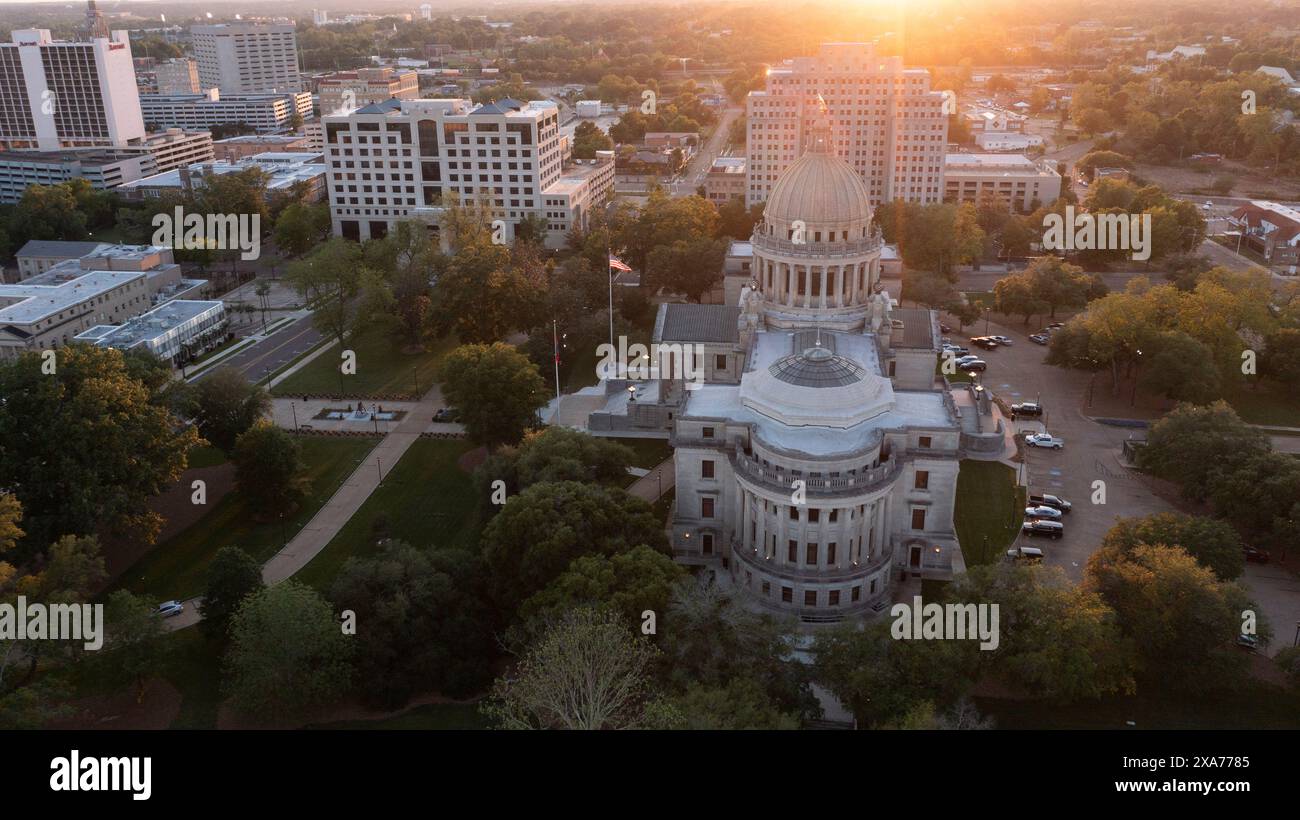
1023 184
264 113
56 94
175 331
887 123
397 160
247 58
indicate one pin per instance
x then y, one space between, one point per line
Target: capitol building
816 452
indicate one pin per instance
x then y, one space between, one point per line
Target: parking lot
1092 454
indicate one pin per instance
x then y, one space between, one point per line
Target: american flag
616 264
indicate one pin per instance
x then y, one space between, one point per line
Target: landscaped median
989 510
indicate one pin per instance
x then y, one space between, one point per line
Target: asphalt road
288 343
697 169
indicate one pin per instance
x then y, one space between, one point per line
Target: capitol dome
817 387
821 190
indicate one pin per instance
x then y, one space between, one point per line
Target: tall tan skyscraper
886 122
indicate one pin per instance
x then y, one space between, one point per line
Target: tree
233 575
710 639
543 529
738 704
103 447
630 583
588 139
269 471
1213 543
690 267
928 289
481 296
1193 444
287 653
555 454
329 278
1183 621
425 619
300 227
1281 359
881 680
11 515
1055 639
225 404
589 671
495 388
1177 370
134 640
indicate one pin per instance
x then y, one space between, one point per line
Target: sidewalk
345 502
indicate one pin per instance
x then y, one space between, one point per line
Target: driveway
1091 455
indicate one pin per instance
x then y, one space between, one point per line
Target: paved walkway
345 502
648 486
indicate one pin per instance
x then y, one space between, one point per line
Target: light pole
294 409
1137 372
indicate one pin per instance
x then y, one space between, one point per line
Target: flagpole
555 331
609 269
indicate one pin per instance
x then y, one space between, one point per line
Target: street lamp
1137 372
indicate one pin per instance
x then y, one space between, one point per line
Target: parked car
1255 555
1028 409
1048 513
1025 554
170 609
446 415
1006 341
986 342
1043 529
1047 500
957 350
1056 326
1040 338
1248 642
1044 440
973 365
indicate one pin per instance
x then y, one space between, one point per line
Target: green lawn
988 513
428 716
426 499
1266 406
177 568
382 369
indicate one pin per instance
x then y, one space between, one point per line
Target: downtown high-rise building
886 122
56 94
247 58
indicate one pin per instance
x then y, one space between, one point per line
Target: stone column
782 533
825 275
744 519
